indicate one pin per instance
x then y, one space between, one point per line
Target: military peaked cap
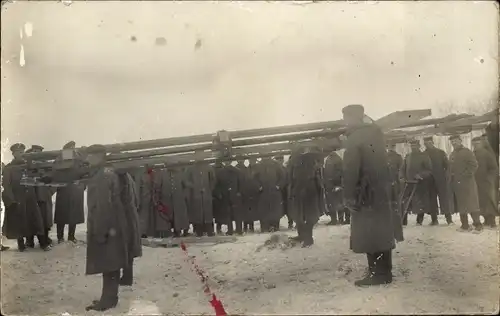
96 149
17 147
36 147
69 145
456 136
29 151
354 109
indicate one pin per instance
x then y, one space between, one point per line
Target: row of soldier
171 200
466 182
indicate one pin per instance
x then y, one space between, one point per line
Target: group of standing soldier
465 183
29 210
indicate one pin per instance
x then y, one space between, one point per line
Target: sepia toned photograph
249 158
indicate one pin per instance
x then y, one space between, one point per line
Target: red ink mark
164 210
214 302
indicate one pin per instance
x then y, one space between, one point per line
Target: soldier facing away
417 167
200 180
305 188
438 184
486 176
366 183
112 229
173 200
23 218
271 179
69 207
253 194
333 190
463 167
395 162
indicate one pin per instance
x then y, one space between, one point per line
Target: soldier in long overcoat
174 197
462 170
44 199
417 166
305 188
366 194
253 194
333 189
486 177
133 237
271 180
200 180
246 187
108 228
69 208
438 183
280 160
228 191
23 217
492 134
154 219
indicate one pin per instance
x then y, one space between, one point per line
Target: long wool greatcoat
486 179
271 180
439 182
174 196
23 217
306 187
418 163
107 226
70 204
153 218
395 162
366 187
333 181
463 166
130 206
228 195
248 191
253 194
44 198
200 180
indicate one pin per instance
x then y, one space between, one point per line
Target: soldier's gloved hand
418 177
277 187
260 188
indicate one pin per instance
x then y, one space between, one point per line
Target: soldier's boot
464 220
308 239
448 218
347 216
30 242
71 233
21 245
434 220
185 232
290 222
476 223
300 234
127 278
109 296
334 219
42 240
239 227
3 248
218 228
251 228
420 219
198 230
492 223
209 229
60 233
230 229
49 240
379 269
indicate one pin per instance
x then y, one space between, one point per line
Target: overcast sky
105 72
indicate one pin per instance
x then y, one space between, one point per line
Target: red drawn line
214 302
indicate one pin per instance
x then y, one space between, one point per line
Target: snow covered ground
437 270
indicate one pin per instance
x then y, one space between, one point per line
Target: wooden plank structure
233 145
